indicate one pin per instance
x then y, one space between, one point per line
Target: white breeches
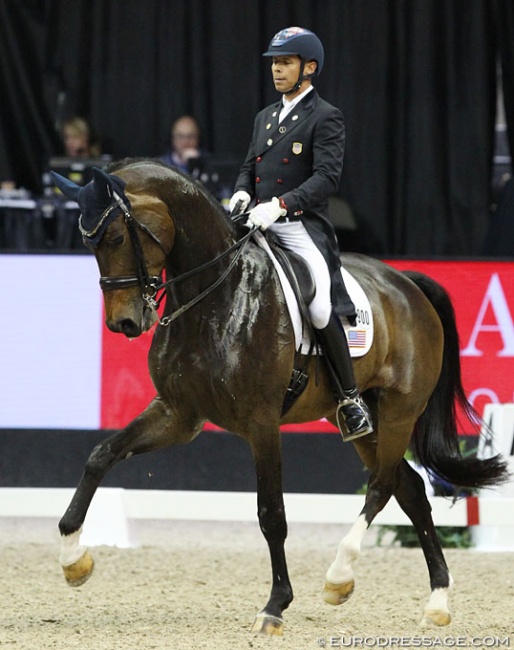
295 237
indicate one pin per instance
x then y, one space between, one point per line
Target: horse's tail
435 441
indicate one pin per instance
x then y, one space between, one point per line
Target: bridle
151 285
147 282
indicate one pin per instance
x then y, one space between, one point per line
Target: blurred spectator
217 174
7 186
185 153
79 154
78 139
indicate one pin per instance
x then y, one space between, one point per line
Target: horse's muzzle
130 325
126 326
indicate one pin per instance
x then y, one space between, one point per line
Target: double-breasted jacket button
258 159
258 180
279 181
285 161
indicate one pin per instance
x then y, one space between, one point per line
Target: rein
239 247
151 285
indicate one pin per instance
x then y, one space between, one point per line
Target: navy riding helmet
297 41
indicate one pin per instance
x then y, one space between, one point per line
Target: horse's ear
103 185
67 187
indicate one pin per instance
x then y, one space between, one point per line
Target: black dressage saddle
298 273
304 288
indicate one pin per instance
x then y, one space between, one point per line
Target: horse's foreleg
151 430
272 521
410 494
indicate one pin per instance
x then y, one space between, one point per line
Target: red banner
483 297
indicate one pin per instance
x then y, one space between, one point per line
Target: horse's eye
116 241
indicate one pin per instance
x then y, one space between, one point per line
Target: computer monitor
218 174
78 170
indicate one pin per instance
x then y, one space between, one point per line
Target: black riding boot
353 417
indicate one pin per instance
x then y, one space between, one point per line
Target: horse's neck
201 236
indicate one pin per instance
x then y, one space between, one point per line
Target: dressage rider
293 165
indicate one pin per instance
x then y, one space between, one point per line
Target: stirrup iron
353 411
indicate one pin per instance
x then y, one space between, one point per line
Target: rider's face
286 70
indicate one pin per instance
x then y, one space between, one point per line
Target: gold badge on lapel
297 148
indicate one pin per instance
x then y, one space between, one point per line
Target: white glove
264 214
242 196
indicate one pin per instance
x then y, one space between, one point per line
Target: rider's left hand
264 214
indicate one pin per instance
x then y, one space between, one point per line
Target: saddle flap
360 335
296 269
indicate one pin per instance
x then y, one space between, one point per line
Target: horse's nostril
128 327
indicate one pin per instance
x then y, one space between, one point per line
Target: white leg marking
341 569
71 551
438 600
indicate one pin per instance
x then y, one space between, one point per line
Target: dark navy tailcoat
301 160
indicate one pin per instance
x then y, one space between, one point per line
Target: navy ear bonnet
103 192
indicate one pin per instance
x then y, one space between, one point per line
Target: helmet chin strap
301 79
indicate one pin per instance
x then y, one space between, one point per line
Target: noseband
150 285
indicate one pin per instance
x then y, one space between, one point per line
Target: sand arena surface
199 585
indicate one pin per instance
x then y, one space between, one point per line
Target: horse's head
130 232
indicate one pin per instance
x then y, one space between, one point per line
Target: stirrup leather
353 409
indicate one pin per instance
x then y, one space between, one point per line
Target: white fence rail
490 514
112 508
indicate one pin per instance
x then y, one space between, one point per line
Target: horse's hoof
338 594
78 572
436 617
266 624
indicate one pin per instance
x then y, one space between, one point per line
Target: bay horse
224 351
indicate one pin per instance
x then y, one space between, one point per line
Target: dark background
312 463
416 80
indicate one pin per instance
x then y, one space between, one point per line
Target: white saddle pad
360 336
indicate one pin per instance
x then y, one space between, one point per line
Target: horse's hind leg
410 494
272 520
408 488
339 583
151 430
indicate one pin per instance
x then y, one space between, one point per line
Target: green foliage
449 536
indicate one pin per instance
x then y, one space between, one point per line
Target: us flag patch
357 338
